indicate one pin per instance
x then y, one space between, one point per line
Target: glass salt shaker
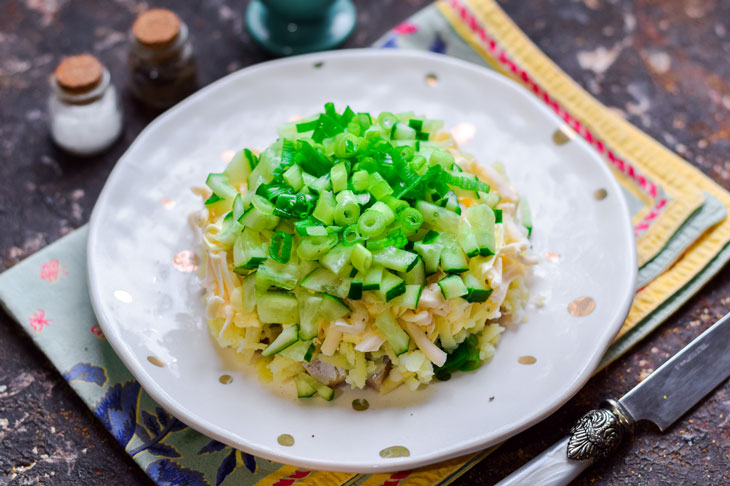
161 59
84 110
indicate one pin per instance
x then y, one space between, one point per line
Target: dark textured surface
663 65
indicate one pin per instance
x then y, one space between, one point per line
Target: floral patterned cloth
58 315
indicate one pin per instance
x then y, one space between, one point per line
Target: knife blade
662 398
683 380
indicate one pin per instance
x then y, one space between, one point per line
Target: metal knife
662 398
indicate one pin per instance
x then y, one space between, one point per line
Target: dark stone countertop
665 66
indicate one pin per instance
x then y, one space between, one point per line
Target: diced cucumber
300 351
356 287
309 316
277 308
321 389
410 298
274 274
481 219
337 258
238 207
260 216
333 308
293 177
452 287
491 199
417 274
453 259
249 292
525 215
238 169
326 393
229 230
394 334
401 131
304 388
395 259
467 239
477 291
322 280
439 218
431 254
248 251
391 286
324 210
373 278
288 336
220 186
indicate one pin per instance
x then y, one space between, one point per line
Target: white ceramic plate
148 308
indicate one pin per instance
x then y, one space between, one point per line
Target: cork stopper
156 28
79 73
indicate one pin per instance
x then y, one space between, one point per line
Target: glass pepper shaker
161 59
84 110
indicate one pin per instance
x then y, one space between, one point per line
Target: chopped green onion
313 247
378 186
387 120
307 126
383 209
444 159
253 161
346 145
280 249
360 180
312 161
351 235
347 210
415 124
214 198
397 205
371 223
411 219
406 153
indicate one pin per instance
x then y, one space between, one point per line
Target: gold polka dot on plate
360 404
432 80
394 451
227 155
123 296
582 306
600 194
186 261
563 135
527 360
552 256
168 203
463 132
286 440
225 379
156 361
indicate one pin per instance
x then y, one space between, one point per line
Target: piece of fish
328 374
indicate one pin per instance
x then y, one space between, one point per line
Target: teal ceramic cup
286 27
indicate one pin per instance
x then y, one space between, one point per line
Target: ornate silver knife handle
595 435
598 432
